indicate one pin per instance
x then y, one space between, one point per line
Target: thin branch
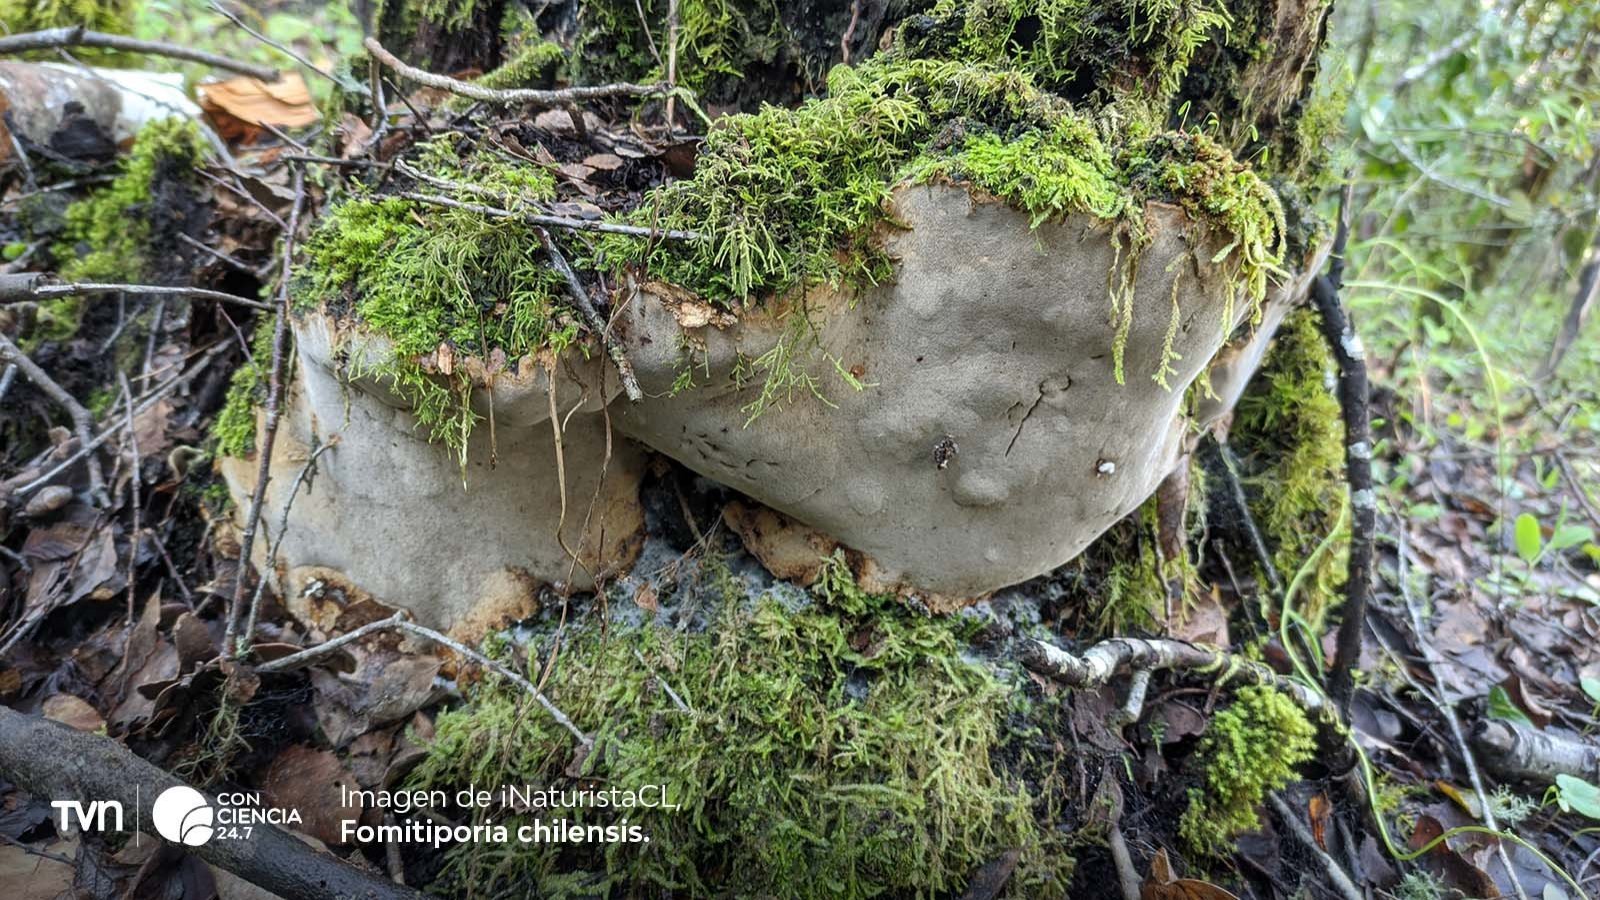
269 432
400 622
1354 402
580 296
1337 877
1097 665
540 219
34 285
78 36
135 486
82 422
558 97
283 528
346 84
106 434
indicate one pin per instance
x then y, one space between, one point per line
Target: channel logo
182 815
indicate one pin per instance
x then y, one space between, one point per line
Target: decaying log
52 761
1519 753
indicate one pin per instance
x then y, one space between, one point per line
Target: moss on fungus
842 749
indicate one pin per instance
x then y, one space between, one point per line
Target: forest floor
1485 621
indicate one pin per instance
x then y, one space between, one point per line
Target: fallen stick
1337 877
1097 665
534 218
509 96
82 422
78 36
1519 753
52 761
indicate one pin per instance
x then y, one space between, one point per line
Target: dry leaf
239 107
73 712
310 781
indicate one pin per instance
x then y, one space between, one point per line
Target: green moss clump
37 15
112 225
426 276
1250 748
234 429
1125 50
530 66
846 749
1290 436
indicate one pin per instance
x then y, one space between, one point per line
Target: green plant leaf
1528 538
1569 536
1501 706
1578 796
1591 686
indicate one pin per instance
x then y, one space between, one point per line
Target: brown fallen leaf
240 107
1161 885
310 781
73 712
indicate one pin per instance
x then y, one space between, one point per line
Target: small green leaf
1569 536
1578 796
1528 538
1502 707
1591 686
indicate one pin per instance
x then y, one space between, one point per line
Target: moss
845 749
112 225
427 277
37 15
530 66
234 429
1288 431
1250 748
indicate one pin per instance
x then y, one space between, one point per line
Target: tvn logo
87 816
180 814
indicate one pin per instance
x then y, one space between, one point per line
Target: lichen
842 749
1287 431
1251 747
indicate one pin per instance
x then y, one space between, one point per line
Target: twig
1096 666
6 378
269 432
850 31
78 36
1132 707
283 527
1354 401
82 422
218 255
1520 753
511 96
1578 490
672 59
1447 711
135 485
39 286
1229 464
346 84
1337 877
676 700
106 434
540 219
400 622
1127 876
580 296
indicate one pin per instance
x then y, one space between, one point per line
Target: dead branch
269 432
400 622
82 422
344 83
51 760
78 36
106 434
1354 401
511 96
25 286
283 528
1337 877
580 296
540 219
1097 665
1228 465
1516 752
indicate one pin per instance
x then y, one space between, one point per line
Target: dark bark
54 762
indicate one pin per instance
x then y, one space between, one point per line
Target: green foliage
532 65
234 429
1135 49
37 15
719 41
847 749
425 277
1289 433
1250 748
